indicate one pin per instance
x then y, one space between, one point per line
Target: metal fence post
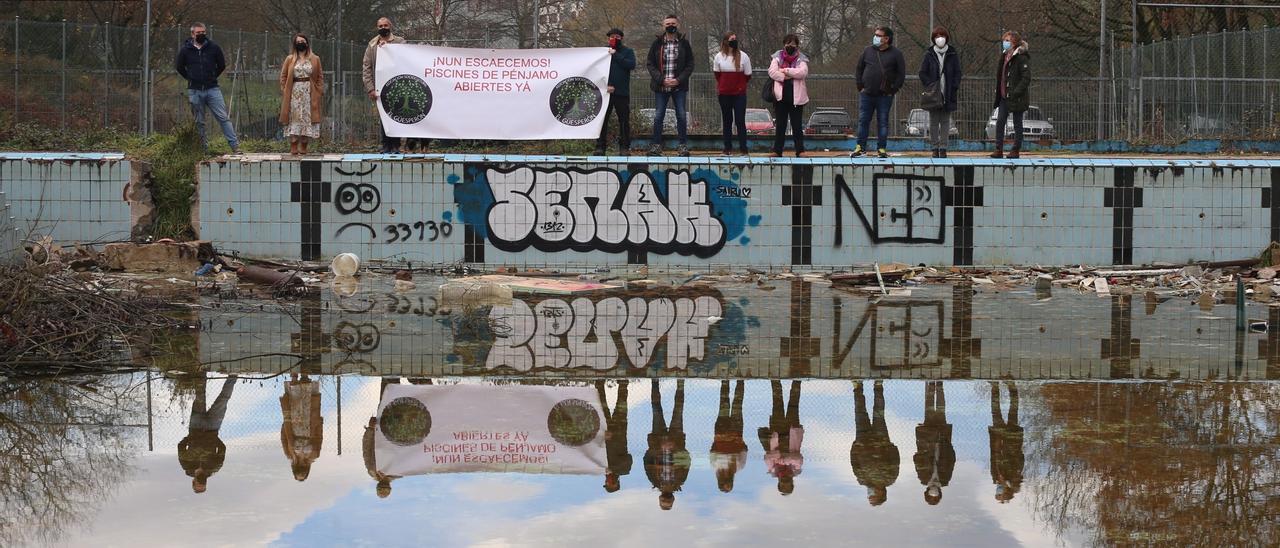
146 73
17 46
106 69
64 75
1134 104
1102 45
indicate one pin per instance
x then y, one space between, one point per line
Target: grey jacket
371 59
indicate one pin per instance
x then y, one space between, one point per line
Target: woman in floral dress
302 93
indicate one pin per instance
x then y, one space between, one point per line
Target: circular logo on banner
405 421
573 422
406 99
576 101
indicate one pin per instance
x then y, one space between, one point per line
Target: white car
1034 125
917 124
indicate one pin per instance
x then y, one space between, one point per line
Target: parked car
917 124
829 121
668 121
1034 125
759 122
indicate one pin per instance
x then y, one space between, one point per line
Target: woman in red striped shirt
732 68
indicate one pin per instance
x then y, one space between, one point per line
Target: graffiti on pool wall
904 208
667 333
672 211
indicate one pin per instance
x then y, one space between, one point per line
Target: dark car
829 121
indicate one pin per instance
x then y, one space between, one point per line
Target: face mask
200 38
671 29
791 50
876 41
1005 45
941 41
733 43
301 47
384 32
613 42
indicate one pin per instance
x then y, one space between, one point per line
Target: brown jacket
371 60
317 88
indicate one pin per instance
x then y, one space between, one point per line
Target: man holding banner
390 145
670 65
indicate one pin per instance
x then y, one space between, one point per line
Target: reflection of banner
472 428
462 93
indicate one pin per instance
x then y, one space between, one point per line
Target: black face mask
671 29
733 43
384 32
301 47
200 38
791 50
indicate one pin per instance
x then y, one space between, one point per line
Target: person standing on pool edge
880 74
201 62
789 68
732 69
622 60
1013 91
670 65
390 145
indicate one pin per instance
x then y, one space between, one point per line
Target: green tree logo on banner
576 101
406 99
573 422
405 422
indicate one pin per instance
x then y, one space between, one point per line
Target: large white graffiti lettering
554 334
554 210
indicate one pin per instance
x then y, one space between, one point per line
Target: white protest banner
466 93
426 429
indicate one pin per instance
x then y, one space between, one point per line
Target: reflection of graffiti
903 334
904 208
553 210
601 335
360 338
398 304
357 198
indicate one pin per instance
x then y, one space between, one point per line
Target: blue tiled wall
71 197
820 213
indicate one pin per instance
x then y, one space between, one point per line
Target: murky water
792 413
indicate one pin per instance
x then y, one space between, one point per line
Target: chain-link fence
1222 85
75 76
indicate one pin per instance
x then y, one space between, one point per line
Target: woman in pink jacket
788 69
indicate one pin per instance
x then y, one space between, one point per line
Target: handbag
932 98
766 92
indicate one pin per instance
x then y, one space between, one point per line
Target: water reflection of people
935 457
667 460
873 456
728 451
202 453
301 433
1006 445
615 437
782 438
366 446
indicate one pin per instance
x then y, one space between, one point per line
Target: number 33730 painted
428 231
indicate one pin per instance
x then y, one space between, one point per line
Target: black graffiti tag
357 198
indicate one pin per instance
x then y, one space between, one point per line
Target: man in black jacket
201 62
621 62
880 74
670 65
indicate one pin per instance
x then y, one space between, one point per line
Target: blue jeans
880 105
660 113
211 99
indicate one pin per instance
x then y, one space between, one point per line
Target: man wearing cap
621 63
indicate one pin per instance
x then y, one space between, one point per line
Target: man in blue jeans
880 74
200 62
670 65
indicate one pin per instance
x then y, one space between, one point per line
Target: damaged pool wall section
70 198
706 213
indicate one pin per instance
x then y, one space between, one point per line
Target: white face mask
941 41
